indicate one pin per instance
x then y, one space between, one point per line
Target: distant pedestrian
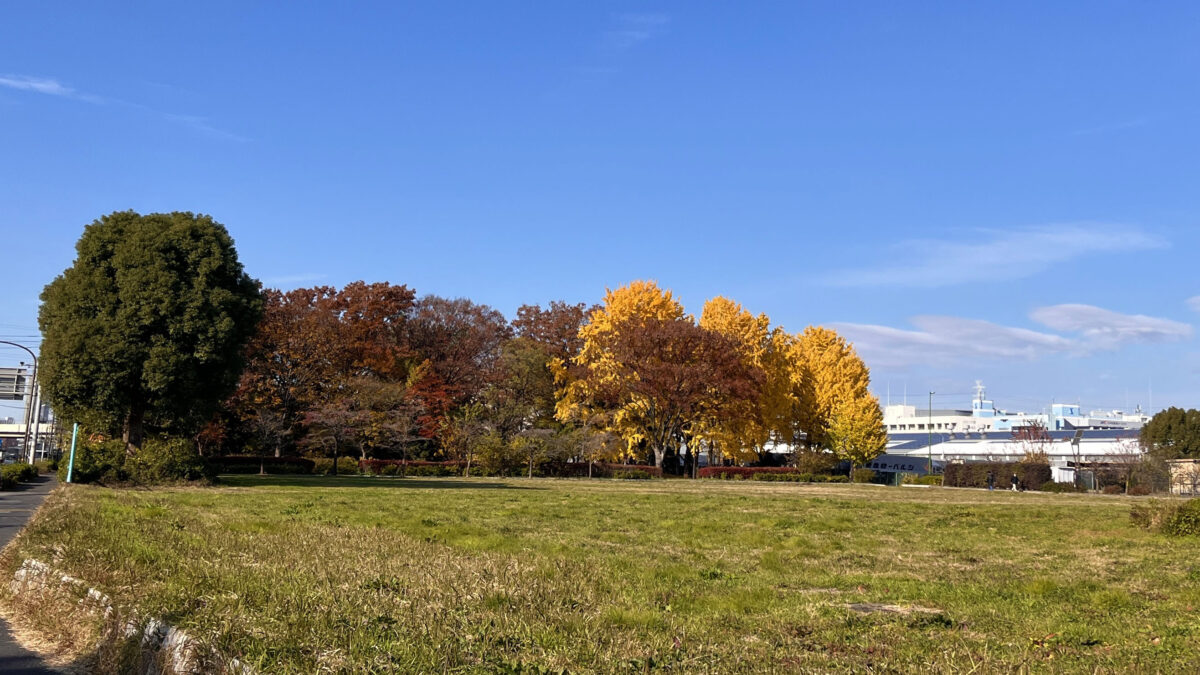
991 480
1015 481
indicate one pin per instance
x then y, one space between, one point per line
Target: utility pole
929 468
29 392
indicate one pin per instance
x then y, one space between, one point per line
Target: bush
1113 490
11 474
632 474
796 477
160 460
1139 490
974 474
255 464
46 465
323 466
97 462
862 476
404 467
1061 487
781 474
914 479
1184 521
1173 518
167 460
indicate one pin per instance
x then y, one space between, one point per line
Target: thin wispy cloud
201 125
1103 329
53 87
47 86
941 340
986 255
634 29
1194 303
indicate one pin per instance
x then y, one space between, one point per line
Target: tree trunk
132 431
335 458
659 454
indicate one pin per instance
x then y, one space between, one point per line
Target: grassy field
412 575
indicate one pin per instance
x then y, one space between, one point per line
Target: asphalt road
15 509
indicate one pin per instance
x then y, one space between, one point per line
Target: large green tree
1173 433
147 327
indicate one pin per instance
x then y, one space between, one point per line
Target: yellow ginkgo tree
837 409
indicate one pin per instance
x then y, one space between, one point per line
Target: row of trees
649 374
156 325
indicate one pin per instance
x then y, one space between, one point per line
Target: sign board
12 384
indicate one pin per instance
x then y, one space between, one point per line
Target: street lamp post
30 388
929 467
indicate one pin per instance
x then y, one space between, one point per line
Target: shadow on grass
253 480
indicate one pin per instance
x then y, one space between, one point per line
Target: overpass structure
12 440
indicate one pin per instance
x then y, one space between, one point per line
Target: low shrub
1184 521
256 464
1139 490
777 474
97 461
914 479
167 460
323 466
598 469
11 474
1153 514
410 467
1113 490
632 474
46 465
782 477
862 476
161 459
1174 518
974 474
1051 486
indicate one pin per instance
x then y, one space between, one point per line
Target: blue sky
1004 192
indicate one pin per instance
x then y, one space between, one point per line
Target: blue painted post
71 461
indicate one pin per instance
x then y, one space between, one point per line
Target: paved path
15 508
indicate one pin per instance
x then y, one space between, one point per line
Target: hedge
788 474
255 464
974 474
323 466
599 470
11 474
403 467
410 467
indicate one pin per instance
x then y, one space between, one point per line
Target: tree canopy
1173 433
148 324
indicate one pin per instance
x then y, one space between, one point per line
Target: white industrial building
984 416
984 433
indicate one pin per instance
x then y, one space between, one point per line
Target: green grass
415 575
